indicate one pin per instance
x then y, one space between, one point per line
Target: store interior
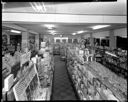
64 51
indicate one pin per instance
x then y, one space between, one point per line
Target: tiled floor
62 89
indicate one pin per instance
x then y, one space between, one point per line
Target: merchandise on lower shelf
116 61
45 72
92 80
33 80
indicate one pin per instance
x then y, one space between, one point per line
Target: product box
10 95
8 82
43 44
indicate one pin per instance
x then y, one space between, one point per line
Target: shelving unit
101 74
114 60
45 71
27 83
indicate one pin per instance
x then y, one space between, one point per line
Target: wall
121 32
101 34
86 36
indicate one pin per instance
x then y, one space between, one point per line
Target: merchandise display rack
116 90
27 83
45 67
116 61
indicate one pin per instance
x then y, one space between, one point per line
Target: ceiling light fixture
79 32
49 26
99 26
38 6
52 31
44 7
15 31
73 33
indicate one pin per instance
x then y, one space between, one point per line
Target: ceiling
95 8
67 28
104 8
7 30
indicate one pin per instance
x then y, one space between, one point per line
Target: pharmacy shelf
91 68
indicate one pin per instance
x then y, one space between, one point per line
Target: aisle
62 89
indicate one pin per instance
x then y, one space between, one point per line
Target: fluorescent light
52 31
73 33
49 26
44 7
99 26
38 6
15 31
33 6
79 32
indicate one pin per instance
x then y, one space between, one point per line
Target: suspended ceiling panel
74 12
68 28
88 8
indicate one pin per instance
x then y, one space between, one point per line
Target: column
112 40
8 38
25 43
37 41
91 40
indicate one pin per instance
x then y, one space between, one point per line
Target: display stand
116 61
29 86
21 86
88 72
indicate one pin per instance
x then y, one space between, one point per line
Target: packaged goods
99 77
96 96
43 44
8 82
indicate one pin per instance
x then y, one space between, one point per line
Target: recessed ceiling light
73 33
99 26
52 31
79 32
38 6
15 31
49 26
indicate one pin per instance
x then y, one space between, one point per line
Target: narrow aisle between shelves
62 88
